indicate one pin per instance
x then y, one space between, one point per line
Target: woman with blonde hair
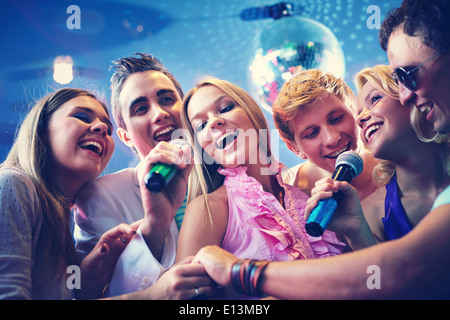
245 206
416 161
64 142
314 114
414 263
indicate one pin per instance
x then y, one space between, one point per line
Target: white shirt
107 202
290 174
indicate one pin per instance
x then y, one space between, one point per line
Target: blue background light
192 38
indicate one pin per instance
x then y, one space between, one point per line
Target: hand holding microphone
163 178
161 174
348 165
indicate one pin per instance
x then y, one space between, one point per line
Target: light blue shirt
442 199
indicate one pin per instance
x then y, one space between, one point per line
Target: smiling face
384 122
323 130
151 110
432 96
222 128
79 134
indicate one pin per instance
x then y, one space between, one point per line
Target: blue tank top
396 223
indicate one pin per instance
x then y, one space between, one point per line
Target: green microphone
161 174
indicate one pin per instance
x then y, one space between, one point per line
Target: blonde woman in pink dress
238 200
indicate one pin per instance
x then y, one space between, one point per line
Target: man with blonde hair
314 114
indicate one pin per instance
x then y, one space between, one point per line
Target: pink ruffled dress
260 228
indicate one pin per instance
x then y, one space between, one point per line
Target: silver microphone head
351 159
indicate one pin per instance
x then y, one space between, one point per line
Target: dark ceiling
191 37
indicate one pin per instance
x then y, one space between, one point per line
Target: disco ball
286 47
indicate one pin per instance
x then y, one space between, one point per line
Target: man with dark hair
415 266
124 68
146 101
416 37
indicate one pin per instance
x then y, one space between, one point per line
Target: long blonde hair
30 154
380 76
205 178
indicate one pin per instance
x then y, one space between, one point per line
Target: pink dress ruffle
260 228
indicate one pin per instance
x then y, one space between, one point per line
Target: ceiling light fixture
63 69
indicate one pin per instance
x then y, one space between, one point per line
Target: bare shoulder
375 197
210 210
307 175
204 223
217 199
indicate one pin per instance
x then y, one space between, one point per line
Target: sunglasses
408 77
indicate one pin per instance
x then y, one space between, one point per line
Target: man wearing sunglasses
417 265
417 40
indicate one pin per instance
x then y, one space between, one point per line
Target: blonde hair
380 76
205 178
302 90
30 153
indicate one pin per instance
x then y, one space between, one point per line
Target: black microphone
276 11
161 174
348 165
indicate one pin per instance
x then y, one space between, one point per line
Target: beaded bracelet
245 276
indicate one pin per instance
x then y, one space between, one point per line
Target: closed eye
83 117
87 119
200 126
311 134
227 108
336 120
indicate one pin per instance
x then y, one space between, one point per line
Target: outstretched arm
415 266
